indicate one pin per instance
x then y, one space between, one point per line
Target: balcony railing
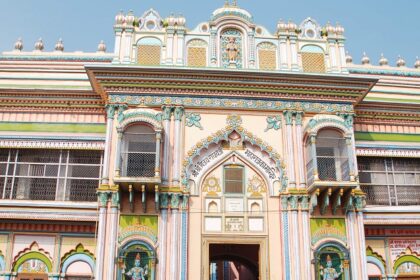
31 174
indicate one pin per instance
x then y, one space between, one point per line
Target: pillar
112 239
285 232
251 49
213 57
169 46
184 238
342 54
118 154
314 158
174 257
180 47
306 238
100 243
166 120
351 222
163 223
157 157
295 261
288 115
178 114
284 65
293 52
108 140
127 44
333 55
362 244
117 46
299 148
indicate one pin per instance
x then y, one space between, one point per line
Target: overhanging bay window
328 157
140 146
42 174
390 181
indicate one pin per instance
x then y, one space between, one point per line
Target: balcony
62 175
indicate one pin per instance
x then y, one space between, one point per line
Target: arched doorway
234 261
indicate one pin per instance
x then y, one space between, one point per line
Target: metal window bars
390 181
36 174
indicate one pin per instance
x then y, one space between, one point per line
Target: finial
383 61
349 59
235 3
39 45
59 46
365 59
19 44
101 46
417 63
400 61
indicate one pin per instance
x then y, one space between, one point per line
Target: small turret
365 59
383 61
59 46
101 46
39 45
18 45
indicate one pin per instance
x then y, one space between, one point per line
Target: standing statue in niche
137 272
329 272
232 51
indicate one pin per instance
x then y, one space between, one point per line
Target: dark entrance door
234 261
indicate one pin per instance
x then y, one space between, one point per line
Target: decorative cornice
140 115
47 144
391 72
229 103
380 152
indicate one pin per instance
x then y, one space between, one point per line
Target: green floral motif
193 119
273 123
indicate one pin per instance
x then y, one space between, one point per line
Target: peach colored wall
70 243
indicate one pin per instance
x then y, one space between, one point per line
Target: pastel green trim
52 127
393 137
404 259
32 255
393 100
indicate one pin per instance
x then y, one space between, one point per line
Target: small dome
231 10
59 46
101 46
383 61
129 19
339 29
119 18
365 59
400 61
417 63
19 44
329 28
181 20
39 45
281 25
349 59
291 26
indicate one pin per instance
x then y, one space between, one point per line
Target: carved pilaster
174 203
164 201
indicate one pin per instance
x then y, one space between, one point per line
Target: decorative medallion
212 186
256 186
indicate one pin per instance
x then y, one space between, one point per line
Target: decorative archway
212 144
79 254
136 256
407 257
41 261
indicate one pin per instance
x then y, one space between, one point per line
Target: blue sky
391 27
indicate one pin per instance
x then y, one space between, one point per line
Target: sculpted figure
137 272
232 49
329 272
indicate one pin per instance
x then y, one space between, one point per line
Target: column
100 243
284 65
352 166
166 120
362 244
299 147
184 238
293 53
342 53
157 158
251 49
285 232
180 47
108 140
118 154
178 114
294 238
288 115
314 159
333 54
306 244
162 236
117 46
127 45
112 240
174 265
213 48
169 46
353 244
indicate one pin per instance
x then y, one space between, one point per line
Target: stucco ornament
273 122
256 186
193 119
212 185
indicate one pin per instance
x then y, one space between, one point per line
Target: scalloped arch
29 256
408 256
323 121
223 134
133 116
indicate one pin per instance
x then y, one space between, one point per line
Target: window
138 152
267 56
197 53
37 174
149 51
390 181
331 157
313 59
233 175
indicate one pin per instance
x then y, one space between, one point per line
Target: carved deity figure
329 272
232 50
137 272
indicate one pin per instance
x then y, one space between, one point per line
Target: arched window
327 157
267 59
197 53
149 51
313 59
138 156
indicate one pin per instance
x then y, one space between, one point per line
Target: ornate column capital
166 112
299 117
121 109
178 113
102 198
164 200
185 201
110 110
174 200
115 199
288 116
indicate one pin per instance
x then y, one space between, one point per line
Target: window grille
233 179
390 181
138 155
36 174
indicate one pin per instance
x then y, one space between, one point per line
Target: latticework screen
313 62
196 57
148 55
267 59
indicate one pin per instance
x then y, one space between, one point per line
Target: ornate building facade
225 151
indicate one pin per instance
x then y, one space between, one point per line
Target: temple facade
225 151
